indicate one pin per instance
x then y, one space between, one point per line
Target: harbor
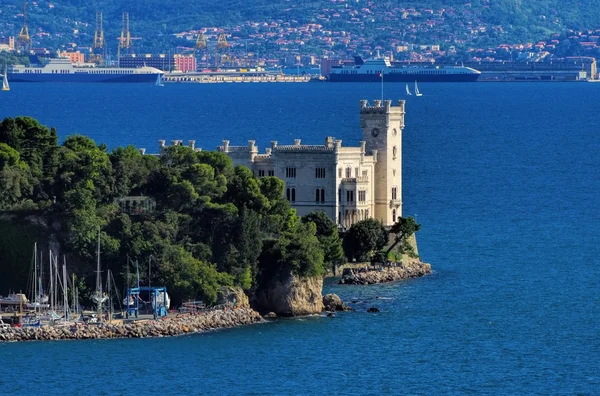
236 77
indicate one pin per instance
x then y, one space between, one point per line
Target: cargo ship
62 70
374 70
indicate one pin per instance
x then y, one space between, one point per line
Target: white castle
348 183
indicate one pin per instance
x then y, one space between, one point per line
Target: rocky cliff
289 295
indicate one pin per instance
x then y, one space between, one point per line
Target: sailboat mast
65 296
56 281
110 303
99 282
51 300
73 293
35 291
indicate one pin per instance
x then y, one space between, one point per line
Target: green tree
363 239
403 229
327 233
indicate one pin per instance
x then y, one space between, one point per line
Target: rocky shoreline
368 276
171 326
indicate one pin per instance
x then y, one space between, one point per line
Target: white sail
417 92
5 86
408 90
159 81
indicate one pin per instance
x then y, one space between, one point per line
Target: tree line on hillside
213 224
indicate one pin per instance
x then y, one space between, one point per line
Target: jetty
172 325
383 274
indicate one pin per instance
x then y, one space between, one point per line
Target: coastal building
350 184
185 63
74 57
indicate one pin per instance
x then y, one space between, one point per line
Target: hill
348 26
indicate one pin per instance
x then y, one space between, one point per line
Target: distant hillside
467 23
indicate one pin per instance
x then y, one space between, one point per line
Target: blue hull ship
375 69
63 71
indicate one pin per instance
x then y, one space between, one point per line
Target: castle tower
382 126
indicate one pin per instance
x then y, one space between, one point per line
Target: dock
236 77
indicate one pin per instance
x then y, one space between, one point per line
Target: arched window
317 195
293 195
288 194
323 195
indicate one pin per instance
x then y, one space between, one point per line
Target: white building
348 183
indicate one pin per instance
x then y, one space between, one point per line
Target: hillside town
337 33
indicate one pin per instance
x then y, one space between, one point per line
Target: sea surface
503 178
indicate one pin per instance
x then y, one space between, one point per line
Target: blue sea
503 178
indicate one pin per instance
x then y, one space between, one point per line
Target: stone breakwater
171 326
413 269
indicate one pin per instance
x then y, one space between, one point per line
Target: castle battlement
305 147
381 107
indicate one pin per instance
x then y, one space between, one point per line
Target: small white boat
159 81
5 86
417 92
408 90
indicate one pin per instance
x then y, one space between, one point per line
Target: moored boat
62 70
372 70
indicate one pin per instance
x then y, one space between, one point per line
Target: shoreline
168 327
367 276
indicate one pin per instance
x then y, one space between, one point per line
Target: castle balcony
356 180
395 203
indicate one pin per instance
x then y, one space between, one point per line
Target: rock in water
290 295
332 302
373 309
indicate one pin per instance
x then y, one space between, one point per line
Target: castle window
271 173
362 196
320 173
290 173
394 215
348 172
340 173
365 173
261 173
350 196
394 193
356 172
394 152
290 194
320 195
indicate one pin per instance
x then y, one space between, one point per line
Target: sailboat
5 86
159 81
408 90
98 296
417 93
